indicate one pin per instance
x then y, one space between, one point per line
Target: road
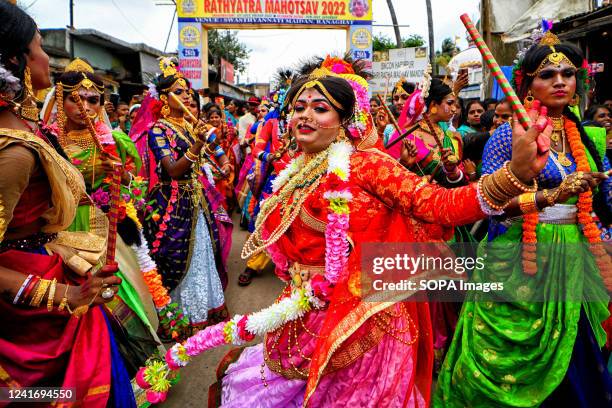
192 390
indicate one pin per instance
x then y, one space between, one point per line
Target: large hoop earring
528 101
165 110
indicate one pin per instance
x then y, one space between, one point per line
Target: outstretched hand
530 147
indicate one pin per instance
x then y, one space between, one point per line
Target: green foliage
381 42
225 44
448 50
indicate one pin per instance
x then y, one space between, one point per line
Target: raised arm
399 188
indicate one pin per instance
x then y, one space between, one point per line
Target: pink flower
140 379
243 333
155 397
321 287
100 197
170 361
149 208
159 235
137 191
163 227
77 162
156 244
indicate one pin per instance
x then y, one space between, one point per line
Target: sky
143 21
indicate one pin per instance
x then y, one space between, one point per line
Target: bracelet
51 297
23 286
527 203
29 288
64 302
40 292
550 198
485 197
189 155
456 180
518 183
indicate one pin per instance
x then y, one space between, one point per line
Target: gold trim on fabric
3 223
343 330
98 390
275 366
6 377
369 141
355 350
314 223
60 173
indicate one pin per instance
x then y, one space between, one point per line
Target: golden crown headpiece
79 65
168 67
554 58
399 88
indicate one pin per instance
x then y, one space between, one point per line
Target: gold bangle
40 292
64 301
527 203
190 155
518 183
550 198
51 297
486 196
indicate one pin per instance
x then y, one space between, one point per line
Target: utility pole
71 14
71 28
432 49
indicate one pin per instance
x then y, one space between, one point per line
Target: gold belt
301 274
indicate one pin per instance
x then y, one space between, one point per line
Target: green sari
133 290
514 351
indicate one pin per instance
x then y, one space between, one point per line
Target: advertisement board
390 65
276 12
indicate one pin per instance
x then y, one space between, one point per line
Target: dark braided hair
16 33
600 205
437 92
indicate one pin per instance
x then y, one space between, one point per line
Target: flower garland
314 293
164 226
338 195
585 209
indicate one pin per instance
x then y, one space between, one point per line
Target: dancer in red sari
326 343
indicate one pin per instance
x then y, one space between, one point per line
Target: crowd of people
116 227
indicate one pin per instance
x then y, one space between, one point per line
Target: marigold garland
585 209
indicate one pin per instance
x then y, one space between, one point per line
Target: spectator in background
122 119
489 104
134 111
486 121
194 104
608 104
400 94
374 105
247 120
231 113
473 110
503 114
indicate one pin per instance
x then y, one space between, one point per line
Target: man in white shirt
246 121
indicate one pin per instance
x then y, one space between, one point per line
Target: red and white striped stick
515 103
113 213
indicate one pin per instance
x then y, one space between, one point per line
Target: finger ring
108 293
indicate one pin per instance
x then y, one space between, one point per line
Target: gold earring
528 101
434 110
575 100
341 135
165 110
28 109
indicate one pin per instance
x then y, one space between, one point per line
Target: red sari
344 352
37 347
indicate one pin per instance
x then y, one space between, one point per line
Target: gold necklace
562 156
182 122
558 127
297 189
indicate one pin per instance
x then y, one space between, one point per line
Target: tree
381 42
398 37
225 44
447 51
